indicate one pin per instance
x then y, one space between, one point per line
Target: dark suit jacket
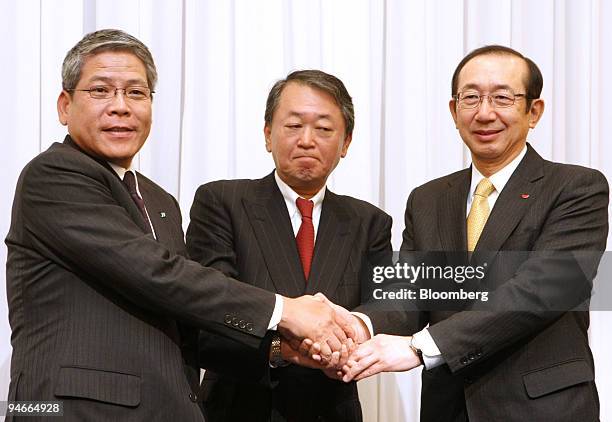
95 303
514 366
242 228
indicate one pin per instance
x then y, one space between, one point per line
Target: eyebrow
129 82
319 116
495 87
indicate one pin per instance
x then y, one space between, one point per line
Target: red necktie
130 181
305 236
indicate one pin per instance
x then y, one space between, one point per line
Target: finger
359 367
305 346
333 362
370 371
343 358
334 342
340 335
326 352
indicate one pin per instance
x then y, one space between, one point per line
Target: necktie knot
484 188
305 206
130 181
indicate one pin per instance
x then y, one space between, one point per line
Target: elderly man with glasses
104 306
523 355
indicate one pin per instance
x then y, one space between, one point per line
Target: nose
307 137
118 104
485 110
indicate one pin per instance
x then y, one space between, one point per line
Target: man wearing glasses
103 304
531 362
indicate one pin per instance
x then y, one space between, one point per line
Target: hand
310 317
383 353
332 369
348 321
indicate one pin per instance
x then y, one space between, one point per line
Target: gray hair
101 41
319 80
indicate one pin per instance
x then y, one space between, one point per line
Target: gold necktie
479 212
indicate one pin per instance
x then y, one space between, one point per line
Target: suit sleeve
76 213
388 318
210 241
577 222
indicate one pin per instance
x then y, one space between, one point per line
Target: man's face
495 136
112 129
306 138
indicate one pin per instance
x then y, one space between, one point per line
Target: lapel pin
163 214
525 195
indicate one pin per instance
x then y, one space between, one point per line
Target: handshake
317 333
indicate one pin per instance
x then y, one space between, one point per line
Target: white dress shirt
290 196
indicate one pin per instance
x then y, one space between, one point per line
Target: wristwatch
276 360
416 351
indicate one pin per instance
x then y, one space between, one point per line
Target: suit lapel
270 221
451 215
131 207
511 204
157 214
335 235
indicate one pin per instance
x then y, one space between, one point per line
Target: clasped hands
317 333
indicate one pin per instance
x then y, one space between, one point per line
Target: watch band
416 351
276 360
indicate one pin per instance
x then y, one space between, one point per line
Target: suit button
464 360
242 324
235 321
193 397
249 326
478 353
228 319
471 356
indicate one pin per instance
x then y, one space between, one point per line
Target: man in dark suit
524 356
253 230
103 304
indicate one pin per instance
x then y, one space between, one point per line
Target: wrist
417 352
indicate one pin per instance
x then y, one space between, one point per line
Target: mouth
305 158
118 129
487 134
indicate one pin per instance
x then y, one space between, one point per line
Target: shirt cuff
426 344
367 321
277 314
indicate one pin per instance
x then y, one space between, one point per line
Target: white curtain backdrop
217 59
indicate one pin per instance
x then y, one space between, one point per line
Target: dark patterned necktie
130 181
305 236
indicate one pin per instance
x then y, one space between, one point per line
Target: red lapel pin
524 195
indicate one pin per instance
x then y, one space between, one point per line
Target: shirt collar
500 178
121 173
291 196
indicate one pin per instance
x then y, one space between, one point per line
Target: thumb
322 297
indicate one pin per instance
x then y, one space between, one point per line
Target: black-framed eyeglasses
498 99
104 92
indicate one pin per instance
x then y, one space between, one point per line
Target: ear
64 101
345 145
452 106
267 134
535 112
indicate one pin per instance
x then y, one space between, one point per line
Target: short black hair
534 80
